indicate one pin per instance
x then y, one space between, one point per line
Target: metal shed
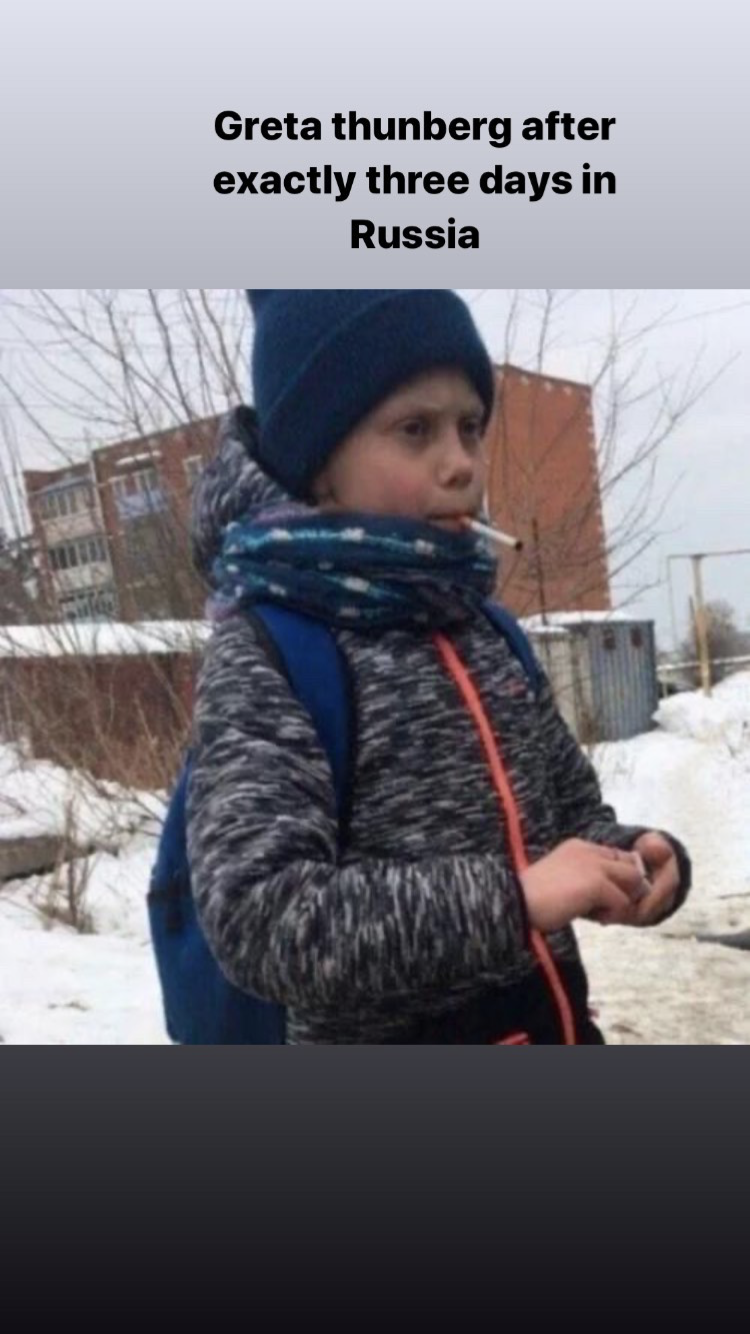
602 667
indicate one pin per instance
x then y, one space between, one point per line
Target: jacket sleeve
581 812
283 916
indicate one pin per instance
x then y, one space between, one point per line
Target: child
440 909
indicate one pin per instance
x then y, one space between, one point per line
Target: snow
662 985
102 638
722 717
61 988
58 986
147 457
38 797
691 777
561 620
653 990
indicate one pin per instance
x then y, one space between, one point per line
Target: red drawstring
512 819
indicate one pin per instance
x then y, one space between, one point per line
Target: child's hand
581 879
663 878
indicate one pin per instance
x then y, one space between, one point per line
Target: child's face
418 455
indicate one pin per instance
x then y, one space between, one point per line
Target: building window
84 551
143 480
193 469
137 493
92 604
66 500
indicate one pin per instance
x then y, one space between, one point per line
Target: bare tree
84 370
95 367
726 640
637 407
21 600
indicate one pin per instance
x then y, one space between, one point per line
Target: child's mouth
455 523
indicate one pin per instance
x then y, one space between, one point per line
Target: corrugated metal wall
622 658
603 675
555 651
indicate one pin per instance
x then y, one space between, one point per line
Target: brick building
112 532
71 542
144 489
544 488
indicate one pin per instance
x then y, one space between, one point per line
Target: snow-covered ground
690 776
57 985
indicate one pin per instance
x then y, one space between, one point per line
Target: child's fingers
655 905
628 877
612 907
667 876
638 885
610 854
664 886
655 848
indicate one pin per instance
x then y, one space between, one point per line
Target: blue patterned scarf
362 571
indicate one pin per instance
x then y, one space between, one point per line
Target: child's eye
415 428
472 428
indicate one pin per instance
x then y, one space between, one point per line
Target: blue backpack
200 1005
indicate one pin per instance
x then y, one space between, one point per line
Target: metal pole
671 603
699 610
700 621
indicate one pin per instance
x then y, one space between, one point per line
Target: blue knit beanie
324 359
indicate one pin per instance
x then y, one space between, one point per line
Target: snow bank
38 797
723 716
102 638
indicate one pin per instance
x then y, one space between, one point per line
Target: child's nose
457 464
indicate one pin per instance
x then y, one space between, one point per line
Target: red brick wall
541 446
124 719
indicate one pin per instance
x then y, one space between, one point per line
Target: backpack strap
308 654
517 640
319 675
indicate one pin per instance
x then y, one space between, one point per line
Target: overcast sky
704 466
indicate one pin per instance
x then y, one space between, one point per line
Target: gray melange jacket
419 918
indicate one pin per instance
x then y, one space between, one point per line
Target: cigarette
645 888
494 534
641 866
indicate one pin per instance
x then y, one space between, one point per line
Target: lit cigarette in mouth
494 534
